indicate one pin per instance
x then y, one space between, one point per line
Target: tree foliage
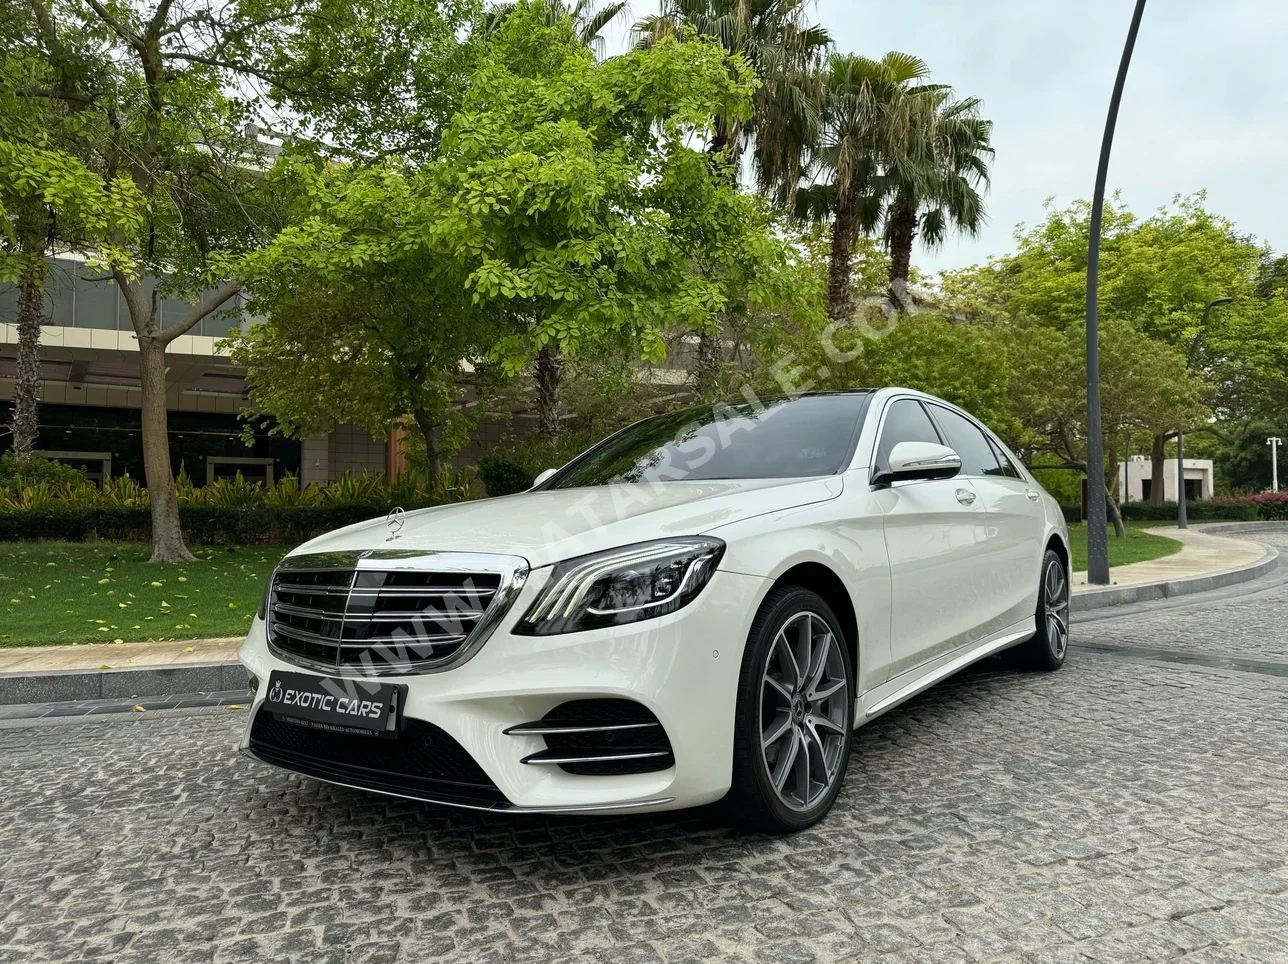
561 210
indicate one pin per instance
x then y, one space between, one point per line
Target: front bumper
683 668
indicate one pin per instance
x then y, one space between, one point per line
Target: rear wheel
795 715
1049 645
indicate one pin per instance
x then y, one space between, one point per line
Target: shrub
1207 510
1272 506
503 476
202 524
15 471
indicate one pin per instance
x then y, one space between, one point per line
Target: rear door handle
965 496
1032 496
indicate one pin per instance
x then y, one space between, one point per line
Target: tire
1048 647
772 790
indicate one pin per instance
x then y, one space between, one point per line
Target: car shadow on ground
544 850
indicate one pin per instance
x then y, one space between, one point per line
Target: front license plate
358 706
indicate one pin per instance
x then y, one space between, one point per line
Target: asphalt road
1131 807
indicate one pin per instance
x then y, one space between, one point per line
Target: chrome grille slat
383 613
403 640
384 616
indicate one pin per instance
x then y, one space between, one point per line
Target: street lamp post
1274 443
1097 521
1181 521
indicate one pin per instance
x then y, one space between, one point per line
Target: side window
1009 468
970 443
905 421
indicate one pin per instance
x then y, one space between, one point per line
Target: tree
588 17
785 52
173 89
366 320
560 213
1157 275
47 195
931 187
870 109
588 22
39 188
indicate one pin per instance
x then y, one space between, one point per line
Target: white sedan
702 607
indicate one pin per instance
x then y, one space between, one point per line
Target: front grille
600 737
423 761
377 621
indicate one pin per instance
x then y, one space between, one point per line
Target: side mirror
920 460
543 476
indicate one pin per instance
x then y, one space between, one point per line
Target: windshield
778 438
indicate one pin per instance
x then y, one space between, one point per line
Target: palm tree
870 111
589 19
784 51
933 187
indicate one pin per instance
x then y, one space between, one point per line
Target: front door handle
965 496
1032 496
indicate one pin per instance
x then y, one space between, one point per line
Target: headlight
622 585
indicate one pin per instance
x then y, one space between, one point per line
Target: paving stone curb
1112 596
57 686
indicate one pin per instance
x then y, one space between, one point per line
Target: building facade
1136 482
90 401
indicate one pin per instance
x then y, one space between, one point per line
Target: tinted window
969 442
905 421
1009 468
781 438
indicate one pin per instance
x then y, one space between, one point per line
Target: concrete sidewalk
1209 559
109 656
1201 554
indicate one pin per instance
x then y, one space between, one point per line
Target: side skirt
890 695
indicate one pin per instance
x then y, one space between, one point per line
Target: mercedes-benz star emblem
395 519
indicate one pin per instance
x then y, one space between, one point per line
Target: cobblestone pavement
1232 628
1120 810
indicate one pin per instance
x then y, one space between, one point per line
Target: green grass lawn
98 592
1137 546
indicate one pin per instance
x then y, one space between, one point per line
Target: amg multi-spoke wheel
1050 644
795 714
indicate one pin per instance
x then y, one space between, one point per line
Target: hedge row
206 525
1204 511
202 525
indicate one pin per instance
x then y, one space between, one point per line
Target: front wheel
1049 645
795 715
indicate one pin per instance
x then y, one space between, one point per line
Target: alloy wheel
804 710
1055 588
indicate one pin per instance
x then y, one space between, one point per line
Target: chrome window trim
513 571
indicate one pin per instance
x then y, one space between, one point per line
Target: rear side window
905 421
1009 468
974 448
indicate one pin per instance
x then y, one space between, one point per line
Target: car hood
545 527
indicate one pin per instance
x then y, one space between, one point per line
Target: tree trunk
1111 494
1156 452
549 371
902 234
429 435
26 388
706 367
167 536
840 308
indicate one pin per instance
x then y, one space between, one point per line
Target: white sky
1206 103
